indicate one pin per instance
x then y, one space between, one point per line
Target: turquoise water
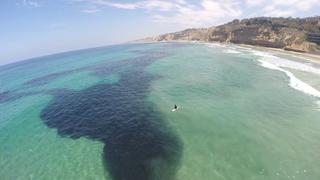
105 113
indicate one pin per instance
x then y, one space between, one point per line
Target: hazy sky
31 28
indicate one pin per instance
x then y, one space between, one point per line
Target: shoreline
315 57
295 81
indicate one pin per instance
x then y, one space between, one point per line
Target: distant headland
293 34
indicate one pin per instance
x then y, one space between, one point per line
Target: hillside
295 34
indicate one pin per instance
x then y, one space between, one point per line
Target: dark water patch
138 62
10 96
100 70
50 77
138 141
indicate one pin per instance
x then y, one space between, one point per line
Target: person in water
175 106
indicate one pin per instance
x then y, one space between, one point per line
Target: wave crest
294 81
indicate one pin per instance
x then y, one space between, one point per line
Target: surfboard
175 109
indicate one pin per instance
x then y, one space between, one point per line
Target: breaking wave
231 51
294 82
281 62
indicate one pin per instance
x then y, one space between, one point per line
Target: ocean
105 113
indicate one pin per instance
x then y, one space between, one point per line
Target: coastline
302 72
315 57
312 57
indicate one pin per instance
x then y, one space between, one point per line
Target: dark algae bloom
138 142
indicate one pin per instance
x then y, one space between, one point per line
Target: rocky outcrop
294 34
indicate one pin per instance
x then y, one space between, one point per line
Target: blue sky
31 28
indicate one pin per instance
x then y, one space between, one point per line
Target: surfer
175 108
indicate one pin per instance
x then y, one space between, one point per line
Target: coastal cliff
294 34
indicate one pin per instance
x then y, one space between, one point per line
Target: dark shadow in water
138 142
10 96
101 70
48 78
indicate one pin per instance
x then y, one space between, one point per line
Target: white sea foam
281 62
216 45
294 82
244 48
270 61
261 54
231 51
318 105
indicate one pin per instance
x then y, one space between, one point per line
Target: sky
32 28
